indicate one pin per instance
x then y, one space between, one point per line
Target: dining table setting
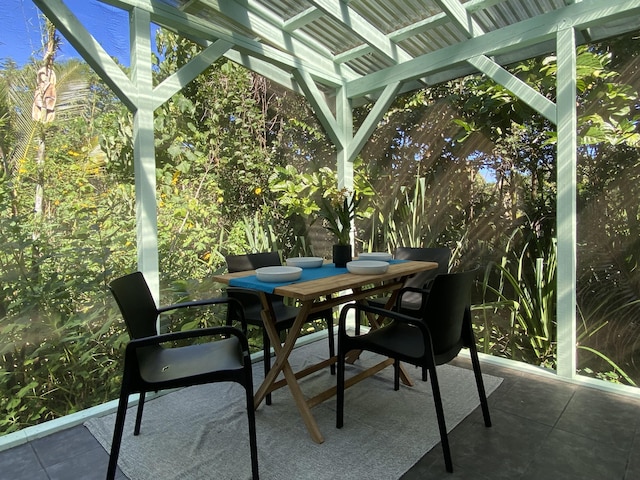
314 285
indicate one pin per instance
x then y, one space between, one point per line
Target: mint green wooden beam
352 54
175 82
437 20
524 92
465 22
373 119
294 38
303 18
87 46
341 132
463 19
566 203
144 150
344 118
320 107
460 17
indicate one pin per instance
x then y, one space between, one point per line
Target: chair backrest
251 261
441 255
445 310
136 304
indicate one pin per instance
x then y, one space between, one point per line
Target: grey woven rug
201 432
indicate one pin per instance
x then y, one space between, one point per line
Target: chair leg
396 374
484 404
251 416
340 388
332 342
117 433
136 428
266 360
442 426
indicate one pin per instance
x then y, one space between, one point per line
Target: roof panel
286 9
508 12
434 39
331 35
392 15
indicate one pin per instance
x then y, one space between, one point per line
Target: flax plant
616 374
525 288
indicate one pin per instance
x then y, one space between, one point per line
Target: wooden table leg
282 364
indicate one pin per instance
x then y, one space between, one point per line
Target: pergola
341 54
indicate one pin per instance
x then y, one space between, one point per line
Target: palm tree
61 93
43 112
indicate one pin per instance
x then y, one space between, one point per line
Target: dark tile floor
542 429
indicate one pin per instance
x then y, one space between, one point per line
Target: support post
144 150
566 206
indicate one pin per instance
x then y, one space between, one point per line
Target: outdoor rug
201 432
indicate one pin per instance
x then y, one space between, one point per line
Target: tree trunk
43 111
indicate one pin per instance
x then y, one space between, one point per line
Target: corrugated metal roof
364 44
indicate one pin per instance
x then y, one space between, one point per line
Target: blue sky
20 31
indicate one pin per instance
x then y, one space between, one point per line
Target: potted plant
338 211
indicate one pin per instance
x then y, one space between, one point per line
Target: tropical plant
589 328
339 211
529 296
306 197
525 287
260 234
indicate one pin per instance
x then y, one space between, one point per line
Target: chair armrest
156 340
210 301
402 291
382 312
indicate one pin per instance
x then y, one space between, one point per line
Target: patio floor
542 428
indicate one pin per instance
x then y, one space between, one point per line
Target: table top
311 289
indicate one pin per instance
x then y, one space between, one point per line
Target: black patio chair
151 366
285 314
435 338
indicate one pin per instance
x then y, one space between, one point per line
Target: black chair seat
393 339
158 364
404 342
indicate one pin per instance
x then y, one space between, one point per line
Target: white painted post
144 150
566 208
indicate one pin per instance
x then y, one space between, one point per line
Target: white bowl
305 262
380 256
278 274
367 267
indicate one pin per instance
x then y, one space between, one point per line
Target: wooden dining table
328 288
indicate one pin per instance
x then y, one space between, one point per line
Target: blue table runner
326 270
